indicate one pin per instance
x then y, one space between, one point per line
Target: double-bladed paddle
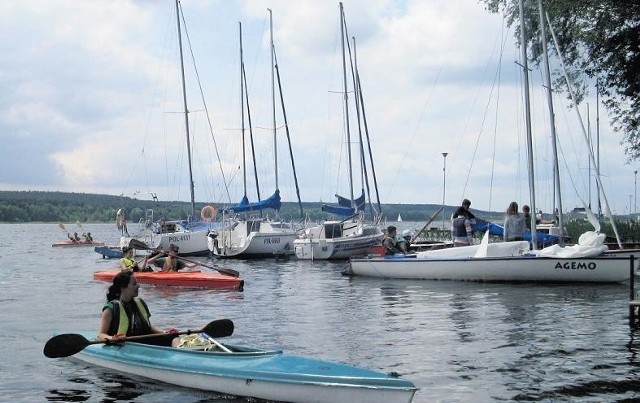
65 345
136 244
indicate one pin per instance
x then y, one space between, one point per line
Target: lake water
457 342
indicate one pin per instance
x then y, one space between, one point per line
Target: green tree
599 39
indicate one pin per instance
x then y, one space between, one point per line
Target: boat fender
208 213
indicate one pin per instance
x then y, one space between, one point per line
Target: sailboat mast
273 97
607 210
598 145
244 157
527 111
552 121
186 112
346 105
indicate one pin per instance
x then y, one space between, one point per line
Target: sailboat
189 235
353 235
507 261
399 218
256 236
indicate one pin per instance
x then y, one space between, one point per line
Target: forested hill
35 206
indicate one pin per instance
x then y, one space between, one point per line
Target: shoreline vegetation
66 207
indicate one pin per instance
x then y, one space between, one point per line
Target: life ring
120 219
208 213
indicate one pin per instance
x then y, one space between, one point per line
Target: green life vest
123 322
128 262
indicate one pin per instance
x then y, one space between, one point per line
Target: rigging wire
204 103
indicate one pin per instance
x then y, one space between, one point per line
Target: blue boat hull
109 252
251 372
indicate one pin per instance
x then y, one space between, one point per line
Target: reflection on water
456 341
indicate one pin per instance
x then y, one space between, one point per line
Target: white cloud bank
91 102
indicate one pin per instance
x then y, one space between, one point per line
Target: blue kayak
245 371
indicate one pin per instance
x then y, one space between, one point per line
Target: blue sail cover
345 202
344 208
498 230
338 210
244 205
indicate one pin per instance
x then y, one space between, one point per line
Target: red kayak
70 243
195 278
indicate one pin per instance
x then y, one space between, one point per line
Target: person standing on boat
526 211
461 232
126 314
514 224
390 242
463 210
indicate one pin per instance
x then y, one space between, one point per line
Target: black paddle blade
223 270
135 244
64 345
219 328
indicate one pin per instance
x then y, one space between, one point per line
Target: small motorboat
238 370
191 278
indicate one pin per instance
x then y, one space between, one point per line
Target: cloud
92 101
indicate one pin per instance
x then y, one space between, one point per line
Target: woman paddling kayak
126 314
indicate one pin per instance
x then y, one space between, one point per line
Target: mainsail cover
244 205
498 230
344 207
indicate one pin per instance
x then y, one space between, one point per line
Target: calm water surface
456 341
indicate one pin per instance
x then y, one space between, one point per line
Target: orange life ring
208 213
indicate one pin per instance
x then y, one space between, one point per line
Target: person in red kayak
126 314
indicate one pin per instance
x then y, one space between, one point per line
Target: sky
91 102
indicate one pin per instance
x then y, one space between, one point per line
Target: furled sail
244 205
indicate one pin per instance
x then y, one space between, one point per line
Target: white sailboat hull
337 240
190 241
254 238
337 248
525 268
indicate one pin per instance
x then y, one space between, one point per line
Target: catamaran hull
601 269
335 248
261 374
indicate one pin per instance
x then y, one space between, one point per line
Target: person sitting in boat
170 262
514 224
87 237
75 238
404 242
128 263
390 242
126 314
461 231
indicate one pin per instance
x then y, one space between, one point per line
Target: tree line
38 206
63 207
